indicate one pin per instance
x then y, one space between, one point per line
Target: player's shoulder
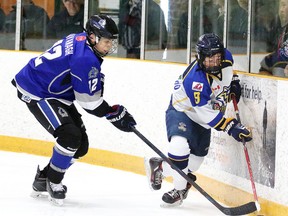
74 41
83 58
228 56
80 39
81 48
195 73
196 79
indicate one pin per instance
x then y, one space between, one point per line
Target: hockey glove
235 89
237 130
121 119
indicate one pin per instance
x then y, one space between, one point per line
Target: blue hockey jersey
67 71
201 96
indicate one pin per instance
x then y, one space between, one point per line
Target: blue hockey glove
237 130
121 119
235 88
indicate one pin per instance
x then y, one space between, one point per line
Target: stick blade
240 210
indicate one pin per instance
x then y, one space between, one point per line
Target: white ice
92 190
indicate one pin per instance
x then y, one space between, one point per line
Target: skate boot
176 197
57 192
39 184
154 172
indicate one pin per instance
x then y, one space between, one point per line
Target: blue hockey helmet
207 46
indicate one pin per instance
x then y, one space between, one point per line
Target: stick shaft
239 210
246 152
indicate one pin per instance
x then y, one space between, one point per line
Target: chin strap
216 74
92 45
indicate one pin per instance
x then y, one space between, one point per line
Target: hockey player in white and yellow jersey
198 103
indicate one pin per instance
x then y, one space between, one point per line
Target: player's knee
83 149
178 146
179 151
69 136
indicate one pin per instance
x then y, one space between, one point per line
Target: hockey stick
247 156
239 210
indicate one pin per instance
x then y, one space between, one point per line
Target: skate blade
38 194
168 205
56 202
148 172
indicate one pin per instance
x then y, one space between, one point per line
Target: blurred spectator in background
183 30
237 21
34 21
243 4
203 21
69 20
276 62
130 27
220 18
264 26
2 19
93 7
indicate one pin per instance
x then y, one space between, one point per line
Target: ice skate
39 185
154 172
176 197
57 192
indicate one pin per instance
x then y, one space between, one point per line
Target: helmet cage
207 46
112 49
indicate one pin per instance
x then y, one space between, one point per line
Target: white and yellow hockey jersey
204 97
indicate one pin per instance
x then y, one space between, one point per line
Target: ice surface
92 190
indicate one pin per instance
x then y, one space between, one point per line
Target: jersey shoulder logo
80 38
93 73
197 86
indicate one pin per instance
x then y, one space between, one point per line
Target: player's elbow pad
101 110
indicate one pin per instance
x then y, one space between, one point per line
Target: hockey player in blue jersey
197 104
49 84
